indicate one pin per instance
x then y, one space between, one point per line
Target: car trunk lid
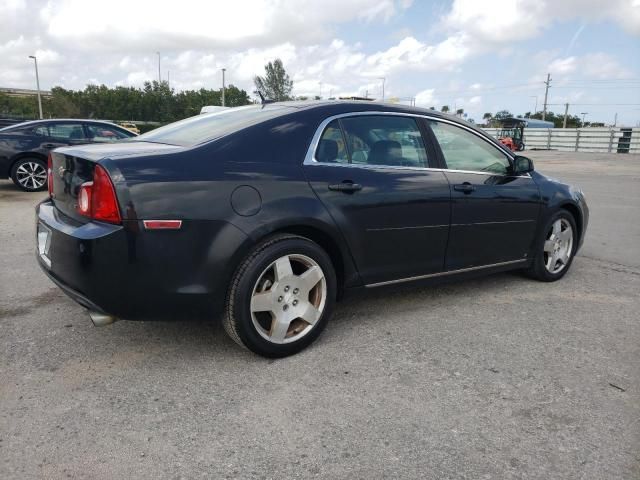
73 166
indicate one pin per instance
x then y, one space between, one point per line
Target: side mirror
522 165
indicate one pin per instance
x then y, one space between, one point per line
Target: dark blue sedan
24 147
271 213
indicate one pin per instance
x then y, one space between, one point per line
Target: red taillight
97 199
50 175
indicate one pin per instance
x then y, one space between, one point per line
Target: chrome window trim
310 159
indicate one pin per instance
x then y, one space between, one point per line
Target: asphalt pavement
496 378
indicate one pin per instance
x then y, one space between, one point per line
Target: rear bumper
73 294
135 274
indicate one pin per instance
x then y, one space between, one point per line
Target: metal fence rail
602 140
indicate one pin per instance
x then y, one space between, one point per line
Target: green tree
502 114
155 102
460 112
445 108
276 84
573 121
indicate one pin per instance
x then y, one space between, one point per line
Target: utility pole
320 83
566 112
159 76
35 60
546 93
169 79
615 119
383 80
223 70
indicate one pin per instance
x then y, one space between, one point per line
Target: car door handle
464 187
346 187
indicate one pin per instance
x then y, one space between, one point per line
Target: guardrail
600 140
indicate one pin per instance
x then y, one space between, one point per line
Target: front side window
463 150
373 140
101 134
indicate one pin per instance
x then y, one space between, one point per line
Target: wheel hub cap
288 298
31 175
558 246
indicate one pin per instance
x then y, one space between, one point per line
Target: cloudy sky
480 55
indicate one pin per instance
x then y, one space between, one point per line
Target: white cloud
501 21
595 65
145 25
426 98
77 43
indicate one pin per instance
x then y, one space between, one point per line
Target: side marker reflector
162 224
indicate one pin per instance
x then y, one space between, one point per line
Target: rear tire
281 296
555 248
30 174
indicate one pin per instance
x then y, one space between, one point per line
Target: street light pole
383 80
159 76
35 60
223 70
584 114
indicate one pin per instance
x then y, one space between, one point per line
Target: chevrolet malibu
269 214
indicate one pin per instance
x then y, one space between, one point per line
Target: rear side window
202 128
41 131
67 131
373 140
332 148
463 150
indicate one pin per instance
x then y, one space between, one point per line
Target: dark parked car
271 213
24 147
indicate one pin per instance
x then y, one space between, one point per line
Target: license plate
44 243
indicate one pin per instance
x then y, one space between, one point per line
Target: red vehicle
512 131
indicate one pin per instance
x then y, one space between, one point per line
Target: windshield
201 128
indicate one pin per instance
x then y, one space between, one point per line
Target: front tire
281 296
30 174
555 249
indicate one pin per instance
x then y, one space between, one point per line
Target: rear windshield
201 128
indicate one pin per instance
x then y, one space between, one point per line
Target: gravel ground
501 377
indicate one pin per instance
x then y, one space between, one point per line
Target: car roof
346 106
337 107
58 120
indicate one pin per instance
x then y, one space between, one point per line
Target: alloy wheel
288 299
31 175
558 246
